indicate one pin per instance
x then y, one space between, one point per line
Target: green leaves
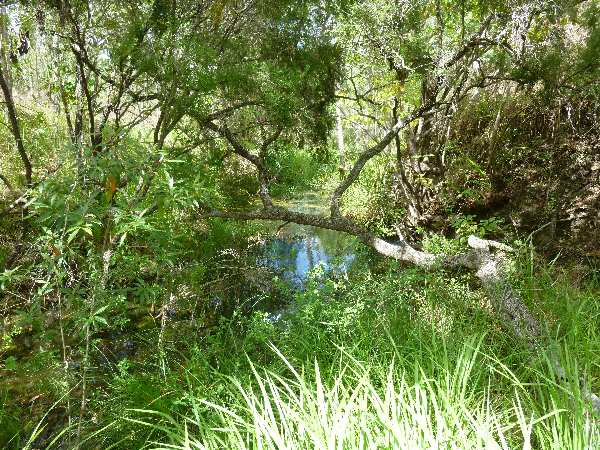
8 276
80 228
10 363
96 320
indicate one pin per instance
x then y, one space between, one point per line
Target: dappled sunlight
284 224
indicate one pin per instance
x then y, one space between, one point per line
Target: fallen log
488 260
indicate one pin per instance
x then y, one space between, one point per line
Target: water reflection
295 250
296 256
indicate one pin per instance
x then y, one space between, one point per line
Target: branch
235 144
7 183
15 128
257 161
370 153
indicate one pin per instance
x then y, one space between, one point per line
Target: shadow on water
295 250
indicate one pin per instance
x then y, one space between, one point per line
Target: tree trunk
6 85
14 126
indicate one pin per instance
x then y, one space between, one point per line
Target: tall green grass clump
404 360
389 357
430 404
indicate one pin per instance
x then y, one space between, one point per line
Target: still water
297 250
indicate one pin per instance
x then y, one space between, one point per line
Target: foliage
128 316
350 356
364 406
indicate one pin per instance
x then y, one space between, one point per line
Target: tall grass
420 406
399 359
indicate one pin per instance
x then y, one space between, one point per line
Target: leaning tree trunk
6 86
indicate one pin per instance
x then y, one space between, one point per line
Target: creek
295 251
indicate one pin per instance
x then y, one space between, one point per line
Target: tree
447 69
6 86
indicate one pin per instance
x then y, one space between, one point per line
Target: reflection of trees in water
281 253
296 256
334 244
309 253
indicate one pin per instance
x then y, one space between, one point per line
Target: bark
7 183
14 126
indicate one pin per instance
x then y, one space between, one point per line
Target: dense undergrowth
133 314
394 358
388 356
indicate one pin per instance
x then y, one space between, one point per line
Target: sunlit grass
399 360
437 405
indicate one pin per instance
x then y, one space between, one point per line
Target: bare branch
14 127
7 183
